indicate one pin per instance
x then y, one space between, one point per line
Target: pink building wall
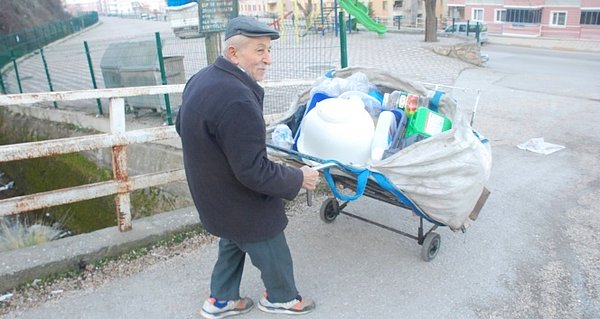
524 3
590 32
571 30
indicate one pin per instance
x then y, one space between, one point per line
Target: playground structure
325 18
361 14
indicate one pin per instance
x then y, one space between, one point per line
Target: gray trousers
272 257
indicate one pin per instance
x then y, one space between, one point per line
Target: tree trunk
430 21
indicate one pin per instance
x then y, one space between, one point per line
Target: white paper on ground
538 145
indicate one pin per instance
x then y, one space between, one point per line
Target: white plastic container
384 133
339 129
372 105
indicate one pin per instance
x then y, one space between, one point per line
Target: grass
15 234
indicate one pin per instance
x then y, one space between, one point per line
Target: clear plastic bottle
390 100
384 134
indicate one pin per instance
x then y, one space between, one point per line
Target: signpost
213 16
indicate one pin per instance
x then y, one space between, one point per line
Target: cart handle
309 193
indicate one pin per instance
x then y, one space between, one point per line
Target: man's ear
232 54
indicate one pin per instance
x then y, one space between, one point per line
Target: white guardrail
118 139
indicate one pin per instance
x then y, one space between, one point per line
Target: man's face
254 56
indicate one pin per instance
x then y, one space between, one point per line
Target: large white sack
444 174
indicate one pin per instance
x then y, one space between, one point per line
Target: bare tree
306 10
430 21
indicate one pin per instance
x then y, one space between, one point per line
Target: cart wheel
330 209
431 246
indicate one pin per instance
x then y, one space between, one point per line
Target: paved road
533 253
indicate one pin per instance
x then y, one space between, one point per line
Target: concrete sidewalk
546 43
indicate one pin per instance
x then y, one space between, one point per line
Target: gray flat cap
249 27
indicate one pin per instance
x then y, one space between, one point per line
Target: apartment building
119 7
573 19
385 11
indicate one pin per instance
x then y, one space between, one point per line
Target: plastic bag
282 136
335 86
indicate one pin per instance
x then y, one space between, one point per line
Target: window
524 15
558 18
477 14
500 15
398 4
590 17
384 5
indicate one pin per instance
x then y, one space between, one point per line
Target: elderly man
237 190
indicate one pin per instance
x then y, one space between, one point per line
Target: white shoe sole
282 310
208 315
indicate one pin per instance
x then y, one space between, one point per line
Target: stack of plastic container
409 118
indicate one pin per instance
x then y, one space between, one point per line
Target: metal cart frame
429 240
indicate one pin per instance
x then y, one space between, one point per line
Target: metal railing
122 184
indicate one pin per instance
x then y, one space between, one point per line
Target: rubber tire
330 209
431 246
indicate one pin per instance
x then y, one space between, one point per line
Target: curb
20 266
546 43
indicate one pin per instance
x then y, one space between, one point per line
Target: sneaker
297 306
214 308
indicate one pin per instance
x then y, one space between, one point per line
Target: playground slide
361 13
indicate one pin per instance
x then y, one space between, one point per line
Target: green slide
359 11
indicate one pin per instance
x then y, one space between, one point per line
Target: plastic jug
385 130
427 123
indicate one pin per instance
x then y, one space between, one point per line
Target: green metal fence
15 45
155 58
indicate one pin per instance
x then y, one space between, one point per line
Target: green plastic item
427 123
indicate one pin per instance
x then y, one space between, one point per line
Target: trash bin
135 63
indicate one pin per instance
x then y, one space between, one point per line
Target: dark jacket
236 188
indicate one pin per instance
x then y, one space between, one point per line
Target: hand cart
370 184
445 206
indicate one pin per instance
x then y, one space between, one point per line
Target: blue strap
434 102
361 183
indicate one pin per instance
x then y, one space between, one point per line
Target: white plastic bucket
338 129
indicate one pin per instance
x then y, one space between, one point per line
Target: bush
15 234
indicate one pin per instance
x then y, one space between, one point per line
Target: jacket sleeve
241 133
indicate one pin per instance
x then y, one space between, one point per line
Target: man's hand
311 178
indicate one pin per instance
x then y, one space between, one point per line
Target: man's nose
268 59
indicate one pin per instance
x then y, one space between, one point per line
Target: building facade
573 19
385 11
116 7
